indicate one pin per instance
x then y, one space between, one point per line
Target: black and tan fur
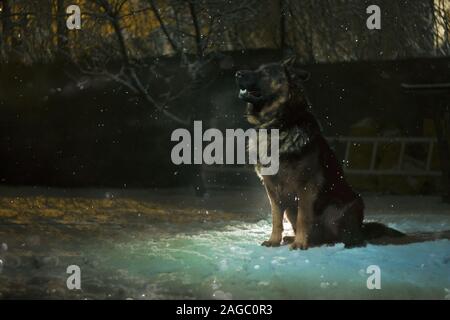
310 187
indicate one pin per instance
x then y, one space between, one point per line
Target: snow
218 257
230 263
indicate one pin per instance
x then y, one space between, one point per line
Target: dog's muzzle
248 91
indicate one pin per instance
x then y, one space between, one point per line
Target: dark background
65 121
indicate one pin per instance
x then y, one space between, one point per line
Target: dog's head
270 87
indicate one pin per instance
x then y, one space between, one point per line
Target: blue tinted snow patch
229 263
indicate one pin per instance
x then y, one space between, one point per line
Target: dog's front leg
305 218
277 225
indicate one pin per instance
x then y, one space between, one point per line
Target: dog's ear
294 70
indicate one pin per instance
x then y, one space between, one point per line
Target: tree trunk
283 11
61 31
163 26
6 27
198 35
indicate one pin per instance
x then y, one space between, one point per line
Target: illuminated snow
230 263
200 253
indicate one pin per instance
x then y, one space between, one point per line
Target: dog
310 187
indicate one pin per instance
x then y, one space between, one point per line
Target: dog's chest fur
293 142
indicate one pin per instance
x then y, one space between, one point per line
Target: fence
212 172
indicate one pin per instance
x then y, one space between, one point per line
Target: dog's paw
271 243
288 239
298 245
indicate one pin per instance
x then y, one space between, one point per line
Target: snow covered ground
209 258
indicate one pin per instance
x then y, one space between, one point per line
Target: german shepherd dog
310 187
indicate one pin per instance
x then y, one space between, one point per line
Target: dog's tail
380 234
375 230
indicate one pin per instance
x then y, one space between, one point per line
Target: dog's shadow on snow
410 238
